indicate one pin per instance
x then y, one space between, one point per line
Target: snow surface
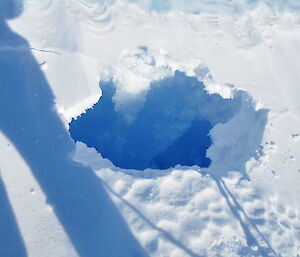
61 199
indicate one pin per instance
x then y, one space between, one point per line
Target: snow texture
63 199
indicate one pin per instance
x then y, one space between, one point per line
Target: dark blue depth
170 127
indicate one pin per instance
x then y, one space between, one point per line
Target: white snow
245 204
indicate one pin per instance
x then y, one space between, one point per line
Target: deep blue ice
171 126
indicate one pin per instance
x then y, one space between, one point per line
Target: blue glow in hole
169 126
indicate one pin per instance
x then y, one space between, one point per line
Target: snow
60 199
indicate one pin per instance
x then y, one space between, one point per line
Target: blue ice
170 127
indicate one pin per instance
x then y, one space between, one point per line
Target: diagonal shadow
11 242
237 161
164 233
252 234
29 120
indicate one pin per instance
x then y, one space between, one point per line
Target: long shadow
252 234
161 231
11 242
29 120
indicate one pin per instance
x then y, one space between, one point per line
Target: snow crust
245 204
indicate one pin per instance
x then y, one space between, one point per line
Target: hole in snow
168 126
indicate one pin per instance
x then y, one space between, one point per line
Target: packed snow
165 128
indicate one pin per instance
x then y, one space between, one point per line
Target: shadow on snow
29 120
